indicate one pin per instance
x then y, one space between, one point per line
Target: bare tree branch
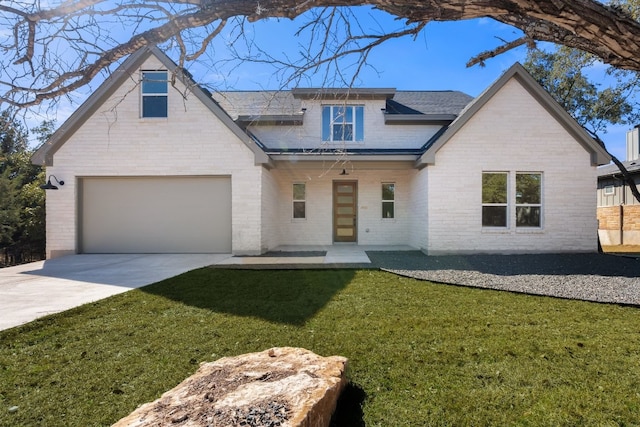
49 52
507 46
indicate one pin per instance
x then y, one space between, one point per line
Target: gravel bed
589 277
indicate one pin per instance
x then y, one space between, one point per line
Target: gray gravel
589 277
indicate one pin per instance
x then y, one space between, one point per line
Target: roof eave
44 154
418 119
314 157
272 120
343 93
598 154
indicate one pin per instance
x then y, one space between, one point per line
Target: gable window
528 199
155 91
343 123
388 200
299 201
494 199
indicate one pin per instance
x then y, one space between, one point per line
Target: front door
345 208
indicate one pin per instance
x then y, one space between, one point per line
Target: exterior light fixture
49 185
344 172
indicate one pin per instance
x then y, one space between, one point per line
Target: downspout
624 203
621 206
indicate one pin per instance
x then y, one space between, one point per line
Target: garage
155 214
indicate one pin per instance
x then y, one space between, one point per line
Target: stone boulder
286 387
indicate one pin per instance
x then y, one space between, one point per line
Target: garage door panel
156 215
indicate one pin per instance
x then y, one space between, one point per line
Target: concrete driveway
34 290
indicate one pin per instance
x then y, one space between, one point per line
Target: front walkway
338 255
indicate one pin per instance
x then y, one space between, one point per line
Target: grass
420 353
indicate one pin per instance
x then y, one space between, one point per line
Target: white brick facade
438 195
512 132
376 133
115 141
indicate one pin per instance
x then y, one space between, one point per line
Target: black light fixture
49 185
344 172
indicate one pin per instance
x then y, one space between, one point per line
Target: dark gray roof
270 103
633 166
428 102
258 103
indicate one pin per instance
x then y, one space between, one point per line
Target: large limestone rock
286 387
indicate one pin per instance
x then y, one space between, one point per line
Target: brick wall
609 217
376 133
609 225
316 228
115 141
512 133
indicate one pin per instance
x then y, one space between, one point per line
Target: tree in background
564 74
22 202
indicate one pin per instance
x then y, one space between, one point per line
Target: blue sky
436 60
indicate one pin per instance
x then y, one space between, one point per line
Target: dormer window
343 123
155 91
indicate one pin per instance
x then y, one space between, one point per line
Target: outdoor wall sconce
344 172
49 185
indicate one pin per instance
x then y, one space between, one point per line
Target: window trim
329 121
294 201
533 205
144 95
392 201
512 206
507 224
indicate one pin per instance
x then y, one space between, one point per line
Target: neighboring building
155 166
618 209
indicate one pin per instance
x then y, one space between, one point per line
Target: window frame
297 201
528 205
332 118
154 94
512 204
504 205
391 201
606 188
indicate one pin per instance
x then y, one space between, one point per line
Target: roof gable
44 154
598 153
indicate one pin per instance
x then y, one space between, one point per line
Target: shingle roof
632 166
428 102
266 103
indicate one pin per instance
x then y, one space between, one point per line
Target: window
343 123
388 200
528 199
299 201
609 190
497 199
494 199
154 94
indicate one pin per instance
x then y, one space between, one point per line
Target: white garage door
155 215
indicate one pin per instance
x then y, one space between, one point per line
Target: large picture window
154 94
528 199
299 201
494 199
343 123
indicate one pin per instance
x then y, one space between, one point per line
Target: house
618 210
153 163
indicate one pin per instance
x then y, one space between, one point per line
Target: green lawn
420 353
